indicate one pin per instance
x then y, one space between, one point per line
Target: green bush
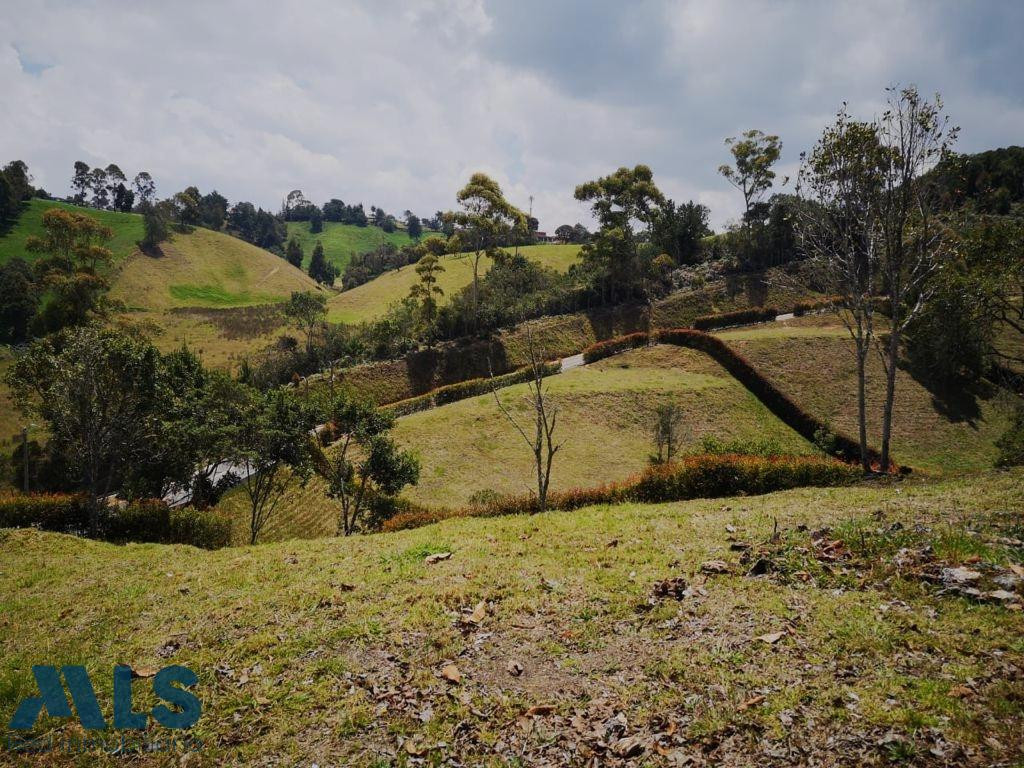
61 512
739 317
603 349
1011 443
143 521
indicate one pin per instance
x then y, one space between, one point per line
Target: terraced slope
605 413
334 652
370 300
934 430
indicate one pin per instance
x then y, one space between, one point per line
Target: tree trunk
862 415
890 397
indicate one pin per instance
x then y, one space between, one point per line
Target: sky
396 104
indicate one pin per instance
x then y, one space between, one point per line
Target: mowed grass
127 229
342 241
604 421
330 652
933 429
371 300
203 268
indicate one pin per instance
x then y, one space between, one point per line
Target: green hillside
341 241
127 229
370 300
337 652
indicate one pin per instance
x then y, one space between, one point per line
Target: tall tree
293 252
915 135
678 230
95 389
320 269
156 223
143 184
98 186
427 293
19 299
213 210
754 154
307 310
81 182
624 203
316 221
413 226
838 229
487 220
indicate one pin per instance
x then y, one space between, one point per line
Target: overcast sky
395 104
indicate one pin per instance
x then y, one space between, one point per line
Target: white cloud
397 104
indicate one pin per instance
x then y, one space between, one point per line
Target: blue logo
165 686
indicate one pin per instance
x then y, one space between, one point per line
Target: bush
144 521
152 521
603 349
61 512
461 390
801 308
739 317
1011 443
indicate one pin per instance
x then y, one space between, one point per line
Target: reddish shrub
739 317
603 349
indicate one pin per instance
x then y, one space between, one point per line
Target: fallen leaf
959 575
514 668
479 613
772 637
415 748
451 673
753 701
437 557
144 671
715 566
1002 595
730 529
540 710
631 746
960 692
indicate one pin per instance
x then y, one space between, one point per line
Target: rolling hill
370 300
341 241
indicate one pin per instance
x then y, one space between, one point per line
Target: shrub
739 317
61 512
144 521
1011 443
801 308
462 390
603 349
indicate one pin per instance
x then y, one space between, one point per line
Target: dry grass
331 651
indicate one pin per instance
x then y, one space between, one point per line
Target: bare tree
914 135
836 224
667 419
542 443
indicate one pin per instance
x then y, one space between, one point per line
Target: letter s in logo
189 704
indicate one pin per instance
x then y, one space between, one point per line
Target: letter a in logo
52 697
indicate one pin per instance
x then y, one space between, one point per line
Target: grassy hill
127 229
341 241
207 269
604 415
370 300
332 651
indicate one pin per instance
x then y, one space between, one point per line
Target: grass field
604 414
370 300
337 652
127 230
342 241
933 430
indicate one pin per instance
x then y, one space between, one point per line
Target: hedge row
694 477
739 317
603 349
461 390
801 308
144 521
